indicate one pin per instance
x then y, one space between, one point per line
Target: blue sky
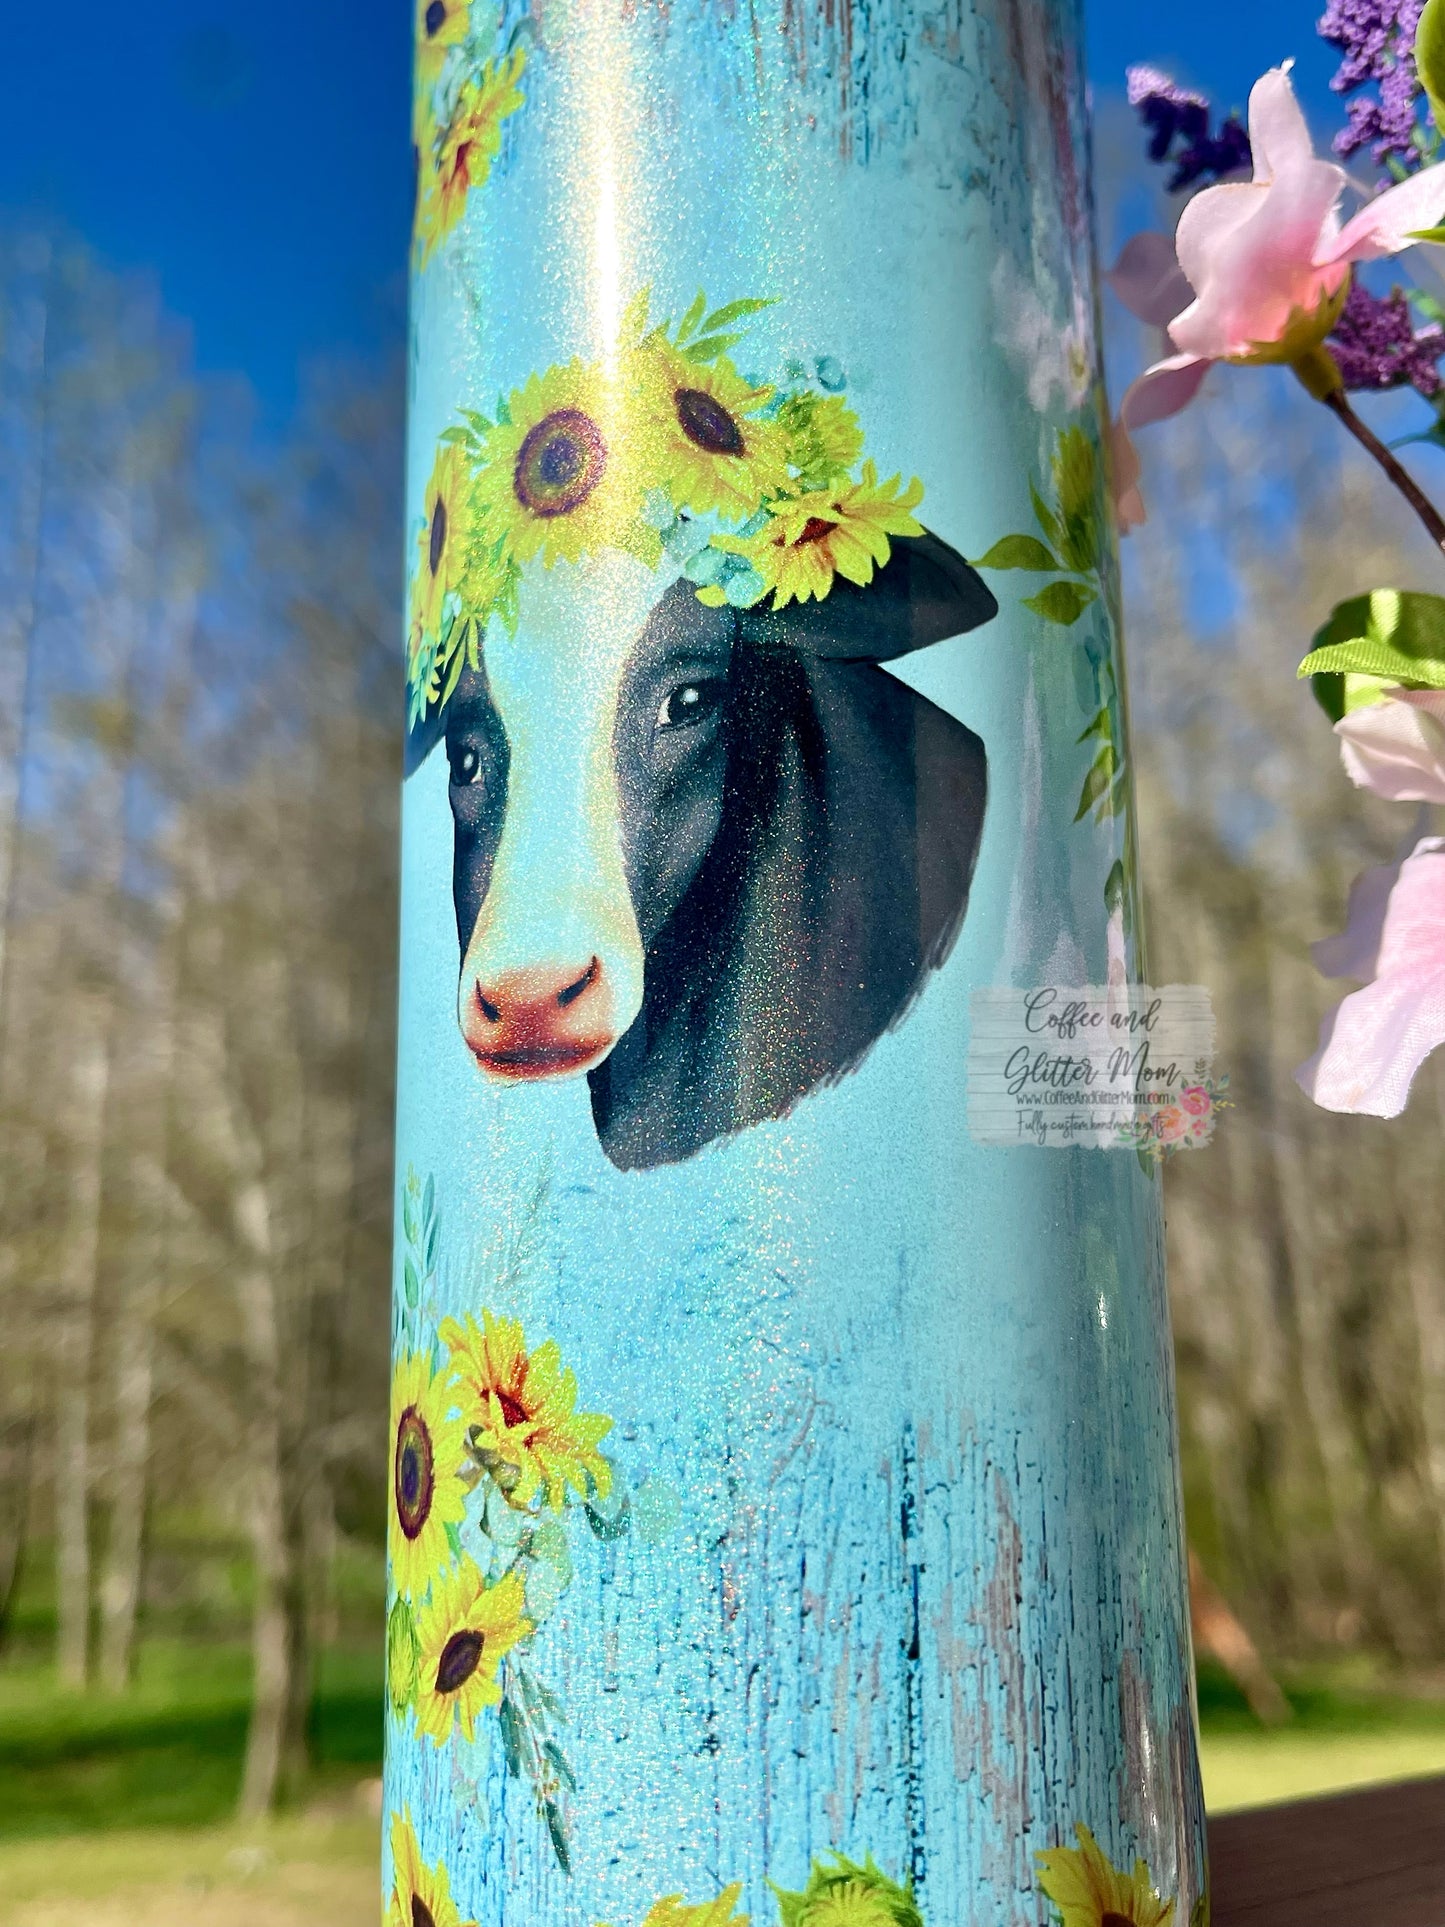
256 159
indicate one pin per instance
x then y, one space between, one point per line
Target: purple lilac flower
1375 345
1173 114
1377 40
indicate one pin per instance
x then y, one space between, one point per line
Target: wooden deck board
1375 1858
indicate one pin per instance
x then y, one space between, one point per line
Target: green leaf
692 317
454 1538
1395 634
411 1282
429 1198
1044 515
431 1245
1430 57
1436 234
1115 803
463 436
478 422
1018 552
557 1829
1101 727
1076 486
408 1217
511 1725
709 347
1101 774
560 1764
734 311
1061 602
606 1529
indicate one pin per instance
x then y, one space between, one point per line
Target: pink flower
1396 746
1195 1099
1373 1043
1267 260
1170 1124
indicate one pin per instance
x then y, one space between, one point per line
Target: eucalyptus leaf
1100 726
1018 552
1061 602
411 1282
656 1509
429 1198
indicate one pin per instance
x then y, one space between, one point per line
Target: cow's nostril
492 1012
575 990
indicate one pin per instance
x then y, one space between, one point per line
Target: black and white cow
705 857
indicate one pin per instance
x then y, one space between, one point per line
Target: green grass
1350 1725
168 1753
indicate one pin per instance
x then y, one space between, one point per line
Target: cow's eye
688 703
466 766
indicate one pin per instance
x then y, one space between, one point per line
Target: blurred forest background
199 770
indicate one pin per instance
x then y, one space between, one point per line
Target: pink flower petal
1356 950
1129 511
1384 225
1208 221
1162 390
1396 747
1148 280
1278 134
1372 1045
1261 275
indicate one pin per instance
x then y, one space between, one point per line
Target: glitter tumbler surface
784 1516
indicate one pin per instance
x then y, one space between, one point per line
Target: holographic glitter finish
784 1498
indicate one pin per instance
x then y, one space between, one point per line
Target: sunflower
443 541
1090 1892
560 473
460 157
675 1912
844 1894
822 437
428 1452
421 1896
462 1634
808 540
524 1426
706 437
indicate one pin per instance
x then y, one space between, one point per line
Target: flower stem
1403 481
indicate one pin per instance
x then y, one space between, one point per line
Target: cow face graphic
705 856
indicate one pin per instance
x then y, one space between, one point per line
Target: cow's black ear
421 739
924 593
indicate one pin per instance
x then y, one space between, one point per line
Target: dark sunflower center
414 1475
436 19
421 1914
513 1410
707 424
814 529
461 1656
559 463
1112 1919
438 534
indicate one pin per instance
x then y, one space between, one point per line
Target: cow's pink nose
542 1022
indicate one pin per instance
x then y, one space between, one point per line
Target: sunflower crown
749 489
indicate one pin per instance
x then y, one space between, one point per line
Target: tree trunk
120 1583
17 1442
79 1256
272 1634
